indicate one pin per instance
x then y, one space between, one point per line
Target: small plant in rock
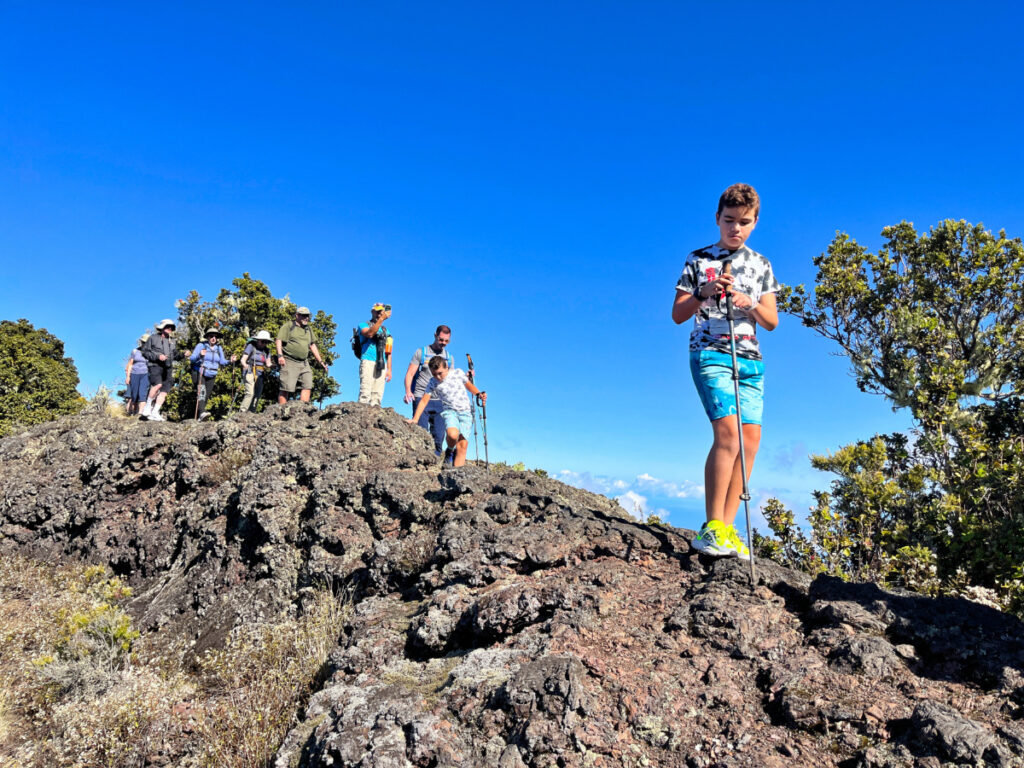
255 684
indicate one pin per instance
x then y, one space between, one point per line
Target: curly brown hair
740 196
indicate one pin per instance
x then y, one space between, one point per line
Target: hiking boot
204 415
449 457
735 543
156 417
713 540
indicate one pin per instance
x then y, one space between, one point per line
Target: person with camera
375 355
294 343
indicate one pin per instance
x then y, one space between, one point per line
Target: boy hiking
708 274
451 386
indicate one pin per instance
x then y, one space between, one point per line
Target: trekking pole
739 419
199 389
237 380
476 442
483 411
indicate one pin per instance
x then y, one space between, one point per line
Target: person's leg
377 388
751 442
250 391
718 469
305 382
204 394
161 396
461 447
435 424
452 438
289 378
260 380
155 382
365 380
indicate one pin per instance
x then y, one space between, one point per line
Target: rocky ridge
501 618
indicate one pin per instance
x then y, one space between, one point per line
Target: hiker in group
160 349
375 355
451 386
418 376
295 341
207 358
136 378
255 366
700 294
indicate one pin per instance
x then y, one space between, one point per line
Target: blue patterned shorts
712 373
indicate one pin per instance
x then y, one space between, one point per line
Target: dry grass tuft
79 687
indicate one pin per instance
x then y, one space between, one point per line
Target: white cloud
634 504
650 494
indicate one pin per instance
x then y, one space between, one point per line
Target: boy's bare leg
718 468
461 448
751 442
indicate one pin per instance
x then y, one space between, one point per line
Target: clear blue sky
532 174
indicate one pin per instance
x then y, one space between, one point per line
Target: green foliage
240 314
37 382
932 322
519 467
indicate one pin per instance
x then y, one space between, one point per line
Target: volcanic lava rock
500 618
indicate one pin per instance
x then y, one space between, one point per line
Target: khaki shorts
296 372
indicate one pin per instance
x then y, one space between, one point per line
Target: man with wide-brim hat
255 365
294 343
159 349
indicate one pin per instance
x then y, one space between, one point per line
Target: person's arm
280 352
128 371
387 375
151 355
766 313
420 407
474 390
316 354
197 353
371 330
410 374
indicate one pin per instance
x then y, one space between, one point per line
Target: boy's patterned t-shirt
753 276
452 391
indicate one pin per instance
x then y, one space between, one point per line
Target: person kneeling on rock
451 386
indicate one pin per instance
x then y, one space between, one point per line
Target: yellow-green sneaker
713 539
735 544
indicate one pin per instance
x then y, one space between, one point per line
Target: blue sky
531 174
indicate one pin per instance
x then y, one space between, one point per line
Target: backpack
357 343
427 354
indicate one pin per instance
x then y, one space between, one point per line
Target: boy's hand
483 397
408 397
741 300
410 421
720 284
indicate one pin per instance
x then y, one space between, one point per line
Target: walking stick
476 442
727 269
199 389
483 410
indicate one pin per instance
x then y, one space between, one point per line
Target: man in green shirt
294 343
